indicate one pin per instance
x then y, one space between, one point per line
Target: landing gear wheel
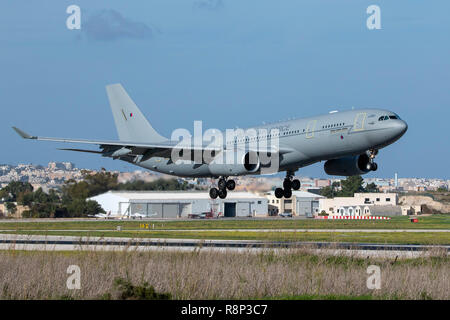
222 193
279 193
222 184
371 165
295 184
231 185
287 184
287 193
213 193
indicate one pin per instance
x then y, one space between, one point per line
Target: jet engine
235 163
349 166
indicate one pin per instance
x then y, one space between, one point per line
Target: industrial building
302 203
180 204
365 204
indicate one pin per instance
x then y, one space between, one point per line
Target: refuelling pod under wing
348 166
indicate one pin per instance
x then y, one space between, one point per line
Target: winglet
23 134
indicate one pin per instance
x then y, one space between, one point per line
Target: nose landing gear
223 184
288 184
371 165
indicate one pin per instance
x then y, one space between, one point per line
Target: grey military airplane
347 141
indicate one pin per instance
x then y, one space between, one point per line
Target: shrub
323 214
141 292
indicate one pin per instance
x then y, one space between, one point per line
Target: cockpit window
394 116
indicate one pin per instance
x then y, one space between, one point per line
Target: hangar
180 204
302 204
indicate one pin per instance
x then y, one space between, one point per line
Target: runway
240 230
71 243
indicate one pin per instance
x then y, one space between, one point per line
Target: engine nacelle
234 163
348 166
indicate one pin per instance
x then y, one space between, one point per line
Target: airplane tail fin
131 124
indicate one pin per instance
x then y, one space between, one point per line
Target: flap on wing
80 150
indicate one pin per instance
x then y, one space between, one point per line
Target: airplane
348 142
101 215
137 215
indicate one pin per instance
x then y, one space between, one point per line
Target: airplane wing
117 149
129 150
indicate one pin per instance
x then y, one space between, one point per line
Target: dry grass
220 275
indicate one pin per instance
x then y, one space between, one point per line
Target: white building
363 204
301 203
175 204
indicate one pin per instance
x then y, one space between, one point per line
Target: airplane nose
403 126
399 128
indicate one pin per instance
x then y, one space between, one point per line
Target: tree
100 182
371 187
351 185
25 198
331 191
91 185
92 207
75 190
13 189
83 208
159 184
326 192
11 206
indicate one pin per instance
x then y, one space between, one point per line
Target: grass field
428 238
209 229
428 222
292 274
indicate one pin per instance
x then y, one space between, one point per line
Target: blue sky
228 63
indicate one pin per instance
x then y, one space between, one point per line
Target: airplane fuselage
329 136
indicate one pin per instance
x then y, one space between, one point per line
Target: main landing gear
289 183
371 165
222 185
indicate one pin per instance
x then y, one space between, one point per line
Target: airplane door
310 129
359 121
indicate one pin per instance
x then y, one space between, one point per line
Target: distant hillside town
55 174
60 190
